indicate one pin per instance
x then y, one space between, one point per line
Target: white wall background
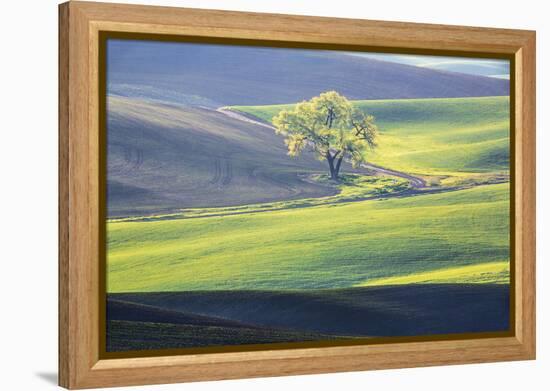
28 194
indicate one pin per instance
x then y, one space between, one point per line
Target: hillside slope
134 326
433 136
374 311
165 157
331 246
216 75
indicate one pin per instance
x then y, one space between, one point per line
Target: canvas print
266 195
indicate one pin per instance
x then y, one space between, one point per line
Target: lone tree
332 127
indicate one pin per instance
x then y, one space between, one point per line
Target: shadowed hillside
473 66
163 157
424 309
136 327
214 75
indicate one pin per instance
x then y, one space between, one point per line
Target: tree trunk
337 168
332 169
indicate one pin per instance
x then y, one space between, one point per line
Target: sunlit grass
443 136
326 246
483 273
350 187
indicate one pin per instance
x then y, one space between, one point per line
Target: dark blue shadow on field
216 318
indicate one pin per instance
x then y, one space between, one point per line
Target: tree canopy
332 127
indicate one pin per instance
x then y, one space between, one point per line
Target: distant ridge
215 75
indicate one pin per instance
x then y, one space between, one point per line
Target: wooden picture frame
80 158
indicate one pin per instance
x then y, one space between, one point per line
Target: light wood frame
80 365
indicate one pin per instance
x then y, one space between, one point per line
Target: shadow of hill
407 310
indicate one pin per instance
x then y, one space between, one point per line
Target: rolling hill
326 246
370 311
217 75
136 326
198 319
454 136
164 157
216 237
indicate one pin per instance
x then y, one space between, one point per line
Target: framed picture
247 195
